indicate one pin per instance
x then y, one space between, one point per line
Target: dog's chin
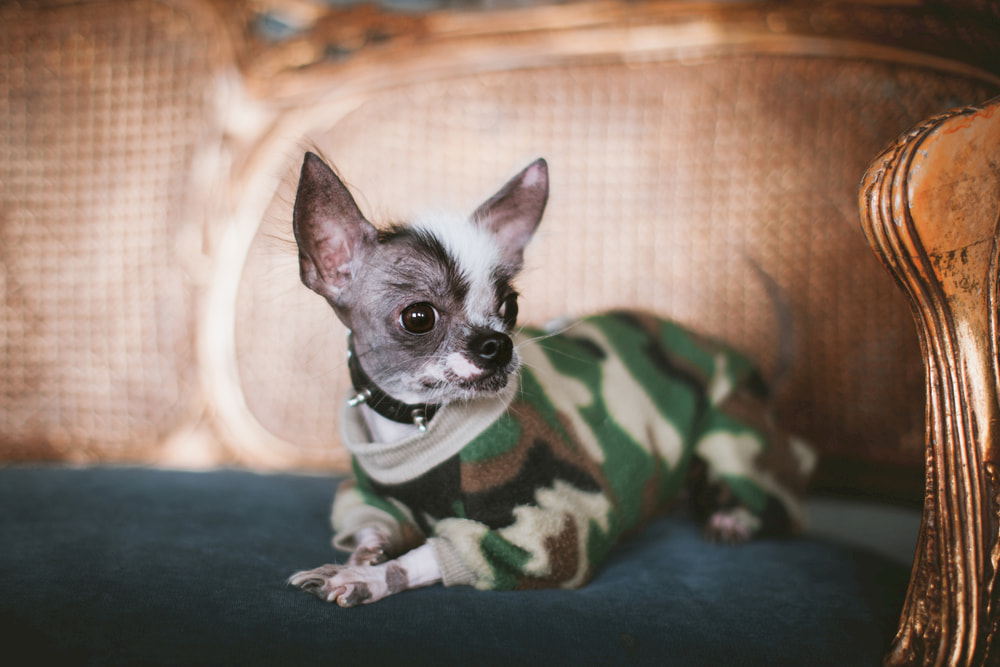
465 389
492 384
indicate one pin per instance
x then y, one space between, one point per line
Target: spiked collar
370 394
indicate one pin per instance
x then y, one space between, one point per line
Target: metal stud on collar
420 420
362 396
366 392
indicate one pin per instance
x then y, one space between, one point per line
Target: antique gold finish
930 207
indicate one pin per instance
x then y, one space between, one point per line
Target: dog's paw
732 526
372 548
368 555
351 585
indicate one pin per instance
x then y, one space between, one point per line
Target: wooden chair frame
930 206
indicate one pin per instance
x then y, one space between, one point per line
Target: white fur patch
462 367
421 566
477 255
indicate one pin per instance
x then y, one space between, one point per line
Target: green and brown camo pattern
611 415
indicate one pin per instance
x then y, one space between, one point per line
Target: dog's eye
508 311
418 318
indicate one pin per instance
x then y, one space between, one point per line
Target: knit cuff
454 571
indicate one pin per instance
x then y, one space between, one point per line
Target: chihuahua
508 458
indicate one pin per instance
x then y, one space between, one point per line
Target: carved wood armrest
930 206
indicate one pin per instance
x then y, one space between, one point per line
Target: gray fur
371 277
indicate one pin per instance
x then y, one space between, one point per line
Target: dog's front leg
351 585
371 547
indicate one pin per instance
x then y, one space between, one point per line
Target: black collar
369 393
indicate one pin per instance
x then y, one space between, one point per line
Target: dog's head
430 304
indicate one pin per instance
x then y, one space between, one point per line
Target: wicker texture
103 106
670 175
667 177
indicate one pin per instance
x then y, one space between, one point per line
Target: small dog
508 459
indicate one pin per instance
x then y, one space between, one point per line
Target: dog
515 458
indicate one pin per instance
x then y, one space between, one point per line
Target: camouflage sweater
532 488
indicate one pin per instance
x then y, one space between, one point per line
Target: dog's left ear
513 213
332 234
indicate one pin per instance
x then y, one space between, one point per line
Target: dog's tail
785 357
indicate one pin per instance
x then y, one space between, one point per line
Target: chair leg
930 206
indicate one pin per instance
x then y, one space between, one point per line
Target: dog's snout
492 349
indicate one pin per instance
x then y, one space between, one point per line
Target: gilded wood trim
953 39
929 208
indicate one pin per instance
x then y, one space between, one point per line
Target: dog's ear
513 213
330 231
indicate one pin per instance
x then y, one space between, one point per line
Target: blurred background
150 308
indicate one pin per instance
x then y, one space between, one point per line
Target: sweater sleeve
468 552
550 544
355 506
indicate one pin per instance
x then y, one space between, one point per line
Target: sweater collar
456 425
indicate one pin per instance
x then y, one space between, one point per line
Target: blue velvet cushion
134 566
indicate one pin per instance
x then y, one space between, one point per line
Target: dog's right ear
513 213
330 231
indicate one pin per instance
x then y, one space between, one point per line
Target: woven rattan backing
668 179
102 107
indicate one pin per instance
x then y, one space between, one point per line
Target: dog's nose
494 350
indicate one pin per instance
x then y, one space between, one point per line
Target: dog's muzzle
491 350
